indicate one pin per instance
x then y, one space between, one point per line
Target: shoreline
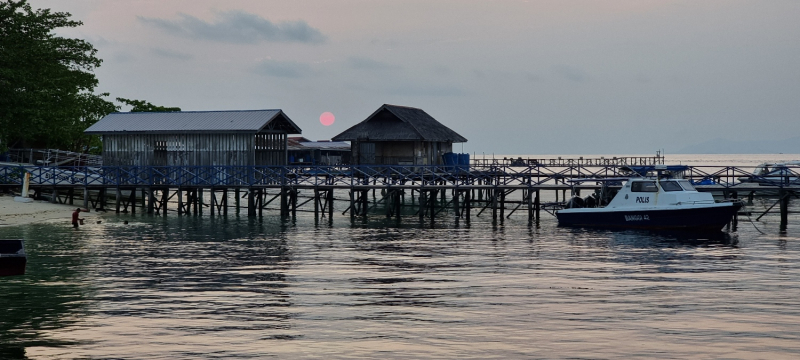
13 213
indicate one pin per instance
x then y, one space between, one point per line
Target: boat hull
12 257
12 265
711 218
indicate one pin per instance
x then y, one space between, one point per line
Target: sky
512 76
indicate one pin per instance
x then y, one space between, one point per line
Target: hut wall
394 153
271 149
177 149
401 152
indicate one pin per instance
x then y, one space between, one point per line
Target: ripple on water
236 287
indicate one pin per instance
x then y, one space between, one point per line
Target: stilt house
195 138
399 135
303 151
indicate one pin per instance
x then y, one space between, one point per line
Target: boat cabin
645 192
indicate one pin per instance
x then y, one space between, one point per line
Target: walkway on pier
461 188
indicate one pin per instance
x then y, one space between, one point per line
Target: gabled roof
400 123
195 121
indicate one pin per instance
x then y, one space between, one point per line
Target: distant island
726 146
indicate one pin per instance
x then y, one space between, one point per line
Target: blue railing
361 175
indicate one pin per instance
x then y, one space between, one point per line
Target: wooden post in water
293 197
432 201
529 201
502 205
164 200
251 202
132 201
151 199
199 201
423 204
317 200
180 201
238 200
467 204
456 209
784 196
330 204
735 196
225 202
494 205
284 203
103 199
261 194
365 202
117 199
352 205
537 206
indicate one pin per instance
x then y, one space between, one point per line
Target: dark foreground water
207 288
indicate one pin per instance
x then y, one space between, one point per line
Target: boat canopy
643 170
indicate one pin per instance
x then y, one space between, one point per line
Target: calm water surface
207 288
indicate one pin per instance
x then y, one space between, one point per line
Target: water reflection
201 287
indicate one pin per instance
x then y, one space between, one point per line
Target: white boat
775 174
656 204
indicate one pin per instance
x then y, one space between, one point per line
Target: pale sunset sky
512 76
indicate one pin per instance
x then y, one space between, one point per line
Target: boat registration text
637 218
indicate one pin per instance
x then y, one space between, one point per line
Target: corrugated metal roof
193 121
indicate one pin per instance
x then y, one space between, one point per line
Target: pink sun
327 118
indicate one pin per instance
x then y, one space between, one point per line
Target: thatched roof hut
399 135
400 123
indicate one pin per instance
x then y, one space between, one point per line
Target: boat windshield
687 185
644 186
671 186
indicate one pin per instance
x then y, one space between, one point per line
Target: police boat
651 204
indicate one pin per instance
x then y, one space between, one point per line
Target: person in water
75 218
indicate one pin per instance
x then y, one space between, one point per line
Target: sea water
202 287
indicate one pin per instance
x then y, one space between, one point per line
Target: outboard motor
574 203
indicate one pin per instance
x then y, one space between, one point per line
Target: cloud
362 63
434 90
166 53
238 27
284 69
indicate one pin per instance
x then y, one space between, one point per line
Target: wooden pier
422 191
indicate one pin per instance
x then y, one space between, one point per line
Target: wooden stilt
117 199
180 202
330 204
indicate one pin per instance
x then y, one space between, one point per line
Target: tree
144 106
46 81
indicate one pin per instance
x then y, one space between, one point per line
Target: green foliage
144 106
46 81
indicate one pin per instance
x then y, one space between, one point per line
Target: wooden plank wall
234 149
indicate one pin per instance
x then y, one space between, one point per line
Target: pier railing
658 159
365 175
